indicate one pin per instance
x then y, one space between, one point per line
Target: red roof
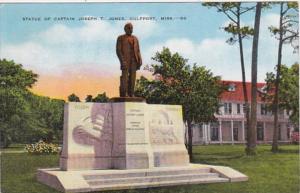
237 94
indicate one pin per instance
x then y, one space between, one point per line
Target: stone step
147 173
159 184
145 179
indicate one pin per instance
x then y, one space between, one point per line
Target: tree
101 98
251 142
13 75
15 114
288 95
234 12
73 98
24 116
193 87
89 98
49 113
286 32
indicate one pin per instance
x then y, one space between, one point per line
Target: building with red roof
231 121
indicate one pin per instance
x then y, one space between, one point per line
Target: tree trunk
251 145
190 140
243 73
277 81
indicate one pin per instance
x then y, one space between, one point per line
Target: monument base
127 145
99 180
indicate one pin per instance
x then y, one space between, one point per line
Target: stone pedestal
126 145
122 135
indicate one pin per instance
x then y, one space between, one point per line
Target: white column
208 131
220 131
243 131
205 133
232 140
264 131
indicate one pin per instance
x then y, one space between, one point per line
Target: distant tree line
100 98
26 117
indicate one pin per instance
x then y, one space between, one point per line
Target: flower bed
42 147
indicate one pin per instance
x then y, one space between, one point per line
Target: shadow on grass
218 153
288 151
218 156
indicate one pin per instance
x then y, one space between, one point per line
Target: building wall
269 131
201 135
197 134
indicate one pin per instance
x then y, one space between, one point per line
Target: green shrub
42 148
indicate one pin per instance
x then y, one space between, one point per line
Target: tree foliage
101 98
13 75
287 32
234 11
25 117
288 90
73 98
89 98
194 87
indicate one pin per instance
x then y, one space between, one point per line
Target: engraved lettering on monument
135 126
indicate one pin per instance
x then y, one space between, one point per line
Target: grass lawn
268 172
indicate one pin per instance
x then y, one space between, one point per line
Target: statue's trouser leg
131 82
124 83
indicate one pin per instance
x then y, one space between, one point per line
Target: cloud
61 47
91 45
213 53
223 59
94 31
89 32
32 55
270 19
268 46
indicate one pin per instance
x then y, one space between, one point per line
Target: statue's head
128 28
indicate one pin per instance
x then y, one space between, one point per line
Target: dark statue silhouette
128 52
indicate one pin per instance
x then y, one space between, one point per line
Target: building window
200 131
214 134
263 109
231 87
281 112
238 108
227 108
288 130
244 108
235 134
260 131
214 131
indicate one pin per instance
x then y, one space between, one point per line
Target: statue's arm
119 51
139 53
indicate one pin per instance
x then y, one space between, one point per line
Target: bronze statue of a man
128 51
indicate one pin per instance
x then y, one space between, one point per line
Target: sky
78 56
